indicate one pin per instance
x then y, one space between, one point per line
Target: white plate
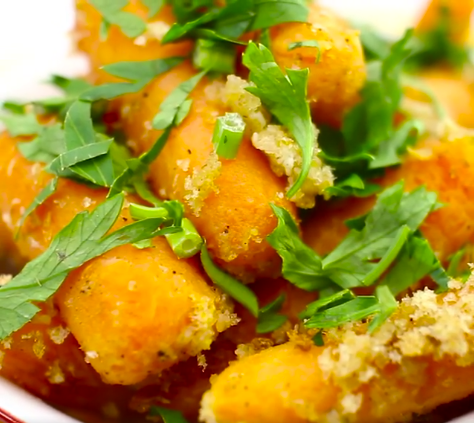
35 44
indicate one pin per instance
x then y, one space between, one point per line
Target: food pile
248 212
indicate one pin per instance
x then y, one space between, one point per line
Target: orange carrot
420 358
117 305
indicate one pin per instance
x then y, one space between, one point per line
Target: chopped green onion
228 134
187 242
216 56
139 212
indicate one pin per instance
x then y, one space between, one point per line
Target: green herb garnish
306 43
111 10
83 239
268 318
214 56
285 97
168 415
237 290
382 247
234 19
139 74
175 107
228 134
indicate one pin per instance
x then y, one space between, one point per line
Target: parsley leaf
237 290
44 194
268 318
384 243
154 6
111 10
356 309
72 89
301 265
376 46
269 13
83 239
351 263
21 124
285 97
79 134
175 107
48 144
168 415
306 43
416 261
139 74
234 19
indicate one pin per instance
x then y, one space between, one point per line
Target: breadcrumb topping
281 149
200 184
425 325
4 279
253 347
58 334
286 159
240 101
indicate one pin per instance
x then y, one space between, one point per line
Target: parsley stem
228 134
216 56
237 290
185 243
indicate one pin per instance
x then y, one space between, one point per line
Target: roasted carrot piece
337 67
420 358
118 306
45 359
228 200
454 91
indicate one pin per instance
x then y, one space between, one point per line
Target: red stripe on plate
8 418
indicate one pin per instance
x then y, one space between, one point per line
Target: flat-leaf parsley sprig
285 96
383 247
84 238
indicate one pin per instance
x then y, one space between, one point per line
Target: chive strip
237 290
139 212
228 135
216 56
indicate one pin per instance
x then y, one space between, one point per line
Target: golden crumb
253 347
58 334
55 375
240 101
4 279
424 325
200 184
2 356
286 159
201 361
